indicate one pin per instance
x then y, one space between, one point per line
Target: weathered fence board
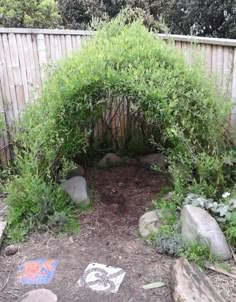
24 54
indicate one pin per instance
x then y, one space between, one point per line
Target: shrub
198 254
175 104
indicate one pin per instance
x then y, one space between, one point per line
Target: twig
11 293
219 270
234 256
3 209
5 284
7 145
3 194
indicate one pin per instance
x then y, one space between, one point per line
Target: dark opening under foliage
174 103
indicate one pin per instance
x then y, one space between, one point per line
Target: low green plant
167 239
34 204
169 211
169 244
2 124
230 229
197 253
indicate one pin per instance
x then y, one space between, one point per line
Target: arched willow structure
174 106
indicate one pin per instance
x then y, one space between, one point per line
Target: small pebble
11 250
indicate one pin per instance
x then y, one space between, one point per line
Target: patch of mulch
109 235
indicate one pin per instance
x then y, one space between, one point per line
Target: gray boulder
110 159
153 159
76 187
199 226
149 223
38 295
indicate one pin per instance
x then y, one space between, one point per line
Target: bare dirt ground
109 236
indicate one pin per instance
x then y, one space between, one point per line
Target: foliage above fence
23 13
201 18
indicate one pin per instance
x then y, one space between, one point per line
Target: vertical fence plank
63 46
74 43
214 59
17 76
22 66
60 47
57 47
233 94
12 102
227 70
3 136
208 59
52 48
234 77
178 45
78 42
31 60
42 55
36 61
6 94
220 64
68 44
48 50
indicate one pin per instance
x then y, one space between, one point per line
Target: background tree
25 13
78 14
213 18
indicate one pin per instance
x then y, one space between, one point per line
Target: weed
198 254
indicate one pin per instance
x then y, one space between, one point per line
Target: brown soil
108 235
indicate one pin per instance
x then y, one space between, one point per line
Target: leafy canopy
33 13
201 17
197 17
80 14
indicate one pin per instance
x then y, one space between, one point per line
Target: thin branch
219 270
5 284
4 147
234 256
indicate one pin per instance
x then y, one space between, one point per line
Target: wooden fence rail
24 53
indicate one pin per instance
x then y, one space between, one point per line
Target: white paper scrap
102 278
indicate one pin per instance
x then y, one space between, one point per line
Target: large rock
38 295
156 159
109 159
76 187
149 223
3 225
199 226
189 284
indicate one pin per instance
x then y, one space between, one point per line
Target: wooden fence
24 54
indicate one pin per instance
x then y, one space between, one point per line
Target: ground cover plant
175 105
